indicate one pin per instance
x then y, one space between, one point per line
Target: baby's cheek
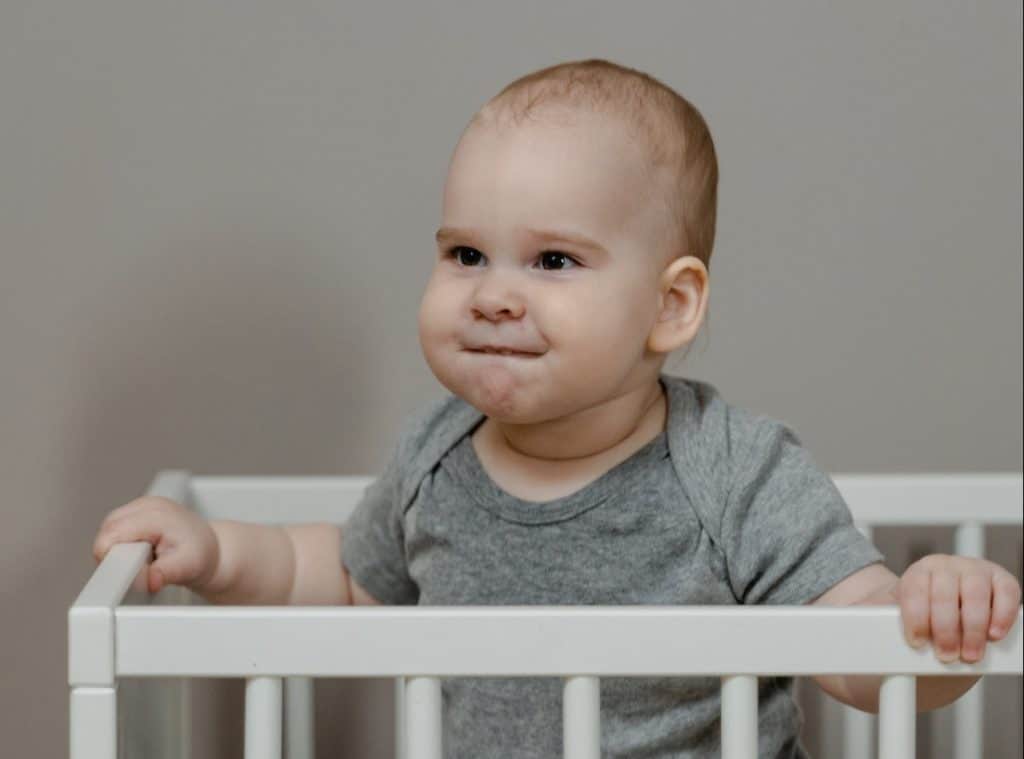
430 314
607 328
436 317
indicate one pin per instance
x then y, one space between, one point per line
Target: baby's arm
295 565
234 562
958 603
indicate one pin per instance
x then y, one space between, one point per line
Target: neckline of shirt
469 474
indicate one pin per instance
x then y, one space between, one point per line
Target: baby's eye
466 256
552 260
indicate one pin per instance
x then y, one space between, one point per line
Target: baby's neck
627 421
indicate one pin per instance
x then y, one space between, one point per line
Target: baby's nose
497 299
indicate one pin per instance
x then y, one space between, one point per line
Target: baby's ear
682 303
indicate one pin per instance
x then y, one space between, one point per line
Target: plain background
216 220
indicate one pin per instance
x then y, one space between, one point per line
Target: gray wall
216 220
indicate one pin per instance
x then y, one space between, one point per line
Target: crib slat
968 710
423 738
739 717
298 707
858 726
968 724
581 718
399 718
897 708
263 718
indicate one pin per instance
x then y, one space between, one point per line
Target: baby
566 467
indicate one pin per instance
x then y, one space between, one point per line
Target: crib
119 638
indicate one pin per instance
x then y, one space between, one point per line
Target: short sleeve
373 539
787 533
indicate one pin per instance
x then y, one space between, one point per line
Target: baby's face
545 285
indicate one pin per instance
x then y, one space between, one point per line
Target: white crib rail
108 641
740 643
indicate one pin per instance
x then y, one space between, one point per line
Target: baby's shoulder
718 448
707 430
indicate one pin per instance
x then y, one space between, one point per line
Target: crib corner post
92 669
92 730
92 706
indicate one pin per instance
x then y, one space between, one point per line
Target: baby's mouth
502 351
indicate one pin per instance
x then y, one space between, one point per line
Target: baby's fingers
123 511
125 531
1005 602
915 605
975 607
945 622
145 504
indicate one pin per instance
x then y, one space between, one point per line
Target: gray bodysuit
723 507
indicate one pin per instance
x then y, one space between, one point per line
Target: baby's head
577 226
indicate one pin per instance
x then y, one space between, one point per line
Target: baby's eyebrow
448 233
539 235
545 235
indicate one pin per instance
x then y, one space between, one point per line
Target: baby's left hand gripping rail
92 667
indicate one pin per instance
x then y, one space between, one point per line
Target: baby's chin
499 392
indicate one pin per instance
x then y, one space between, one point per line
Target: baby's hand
959 603
184 545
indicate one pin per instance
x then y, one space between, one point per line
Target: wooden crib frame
110 643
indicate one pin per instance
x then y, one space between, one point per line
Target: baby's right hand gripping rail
112 645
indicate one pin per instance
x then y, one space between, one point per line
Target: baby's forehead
601 150
593 157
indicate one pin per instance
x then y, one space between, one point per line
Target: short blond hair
671 129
